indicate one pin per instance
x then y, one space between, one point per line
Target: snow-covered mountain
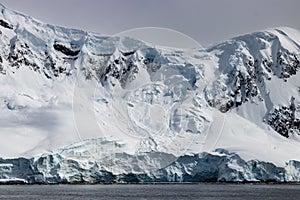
79 106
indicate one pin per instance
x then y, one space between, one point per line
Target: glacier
86 107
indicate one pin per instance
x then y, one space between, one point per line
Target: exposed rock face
6 24
284 121
246 63
65 50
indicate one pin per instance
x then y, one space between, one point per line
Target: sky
206 21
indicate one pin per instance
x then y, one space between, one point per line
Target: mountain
78 106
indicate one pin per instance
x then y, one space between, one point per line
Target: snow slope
77 101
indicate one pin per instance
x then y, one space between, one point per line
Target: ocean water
151 191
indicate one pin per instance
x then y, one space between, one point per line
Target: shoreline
156 183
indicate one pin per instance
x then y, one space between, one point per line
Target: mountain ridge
130 111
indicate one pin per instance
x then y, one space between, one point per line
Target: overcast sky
207 21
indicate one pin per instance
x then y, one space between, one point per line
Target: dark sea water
157 191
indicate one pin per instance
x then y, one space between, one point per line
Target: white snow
163 110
